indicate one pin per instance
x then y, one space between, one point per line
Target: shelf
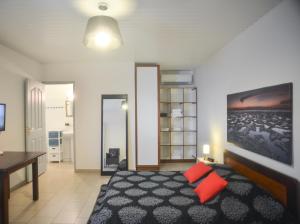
178 145
179 117
180 102
181 144
178 87
171 131
181 131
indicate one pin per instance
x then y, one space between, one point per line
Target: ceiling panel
170 32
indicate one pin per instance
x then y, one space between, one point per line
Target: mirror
114 125
69 108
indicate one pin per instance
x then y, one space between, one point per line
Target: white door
35 123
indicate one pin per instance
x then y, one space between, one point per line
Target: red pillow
210 187
196 171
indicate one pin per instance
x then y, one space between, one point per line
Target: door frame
113 96
74 114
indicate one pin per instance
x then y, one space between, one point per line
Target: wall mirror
114 129
69 108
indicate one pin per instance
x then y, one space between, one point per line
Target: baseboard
87 170
147 167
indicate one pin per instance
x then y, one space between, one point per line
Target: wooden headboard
282 187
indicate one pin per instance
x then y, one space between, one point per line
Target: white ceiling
170 32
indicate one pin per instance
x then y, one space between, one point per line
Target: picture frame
261 121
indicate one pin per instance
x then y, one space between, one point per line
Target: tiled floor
65 196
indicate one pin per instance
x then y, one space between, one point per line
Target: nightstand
201 159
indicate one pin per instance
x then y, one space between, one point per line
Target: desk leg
4 192
35 180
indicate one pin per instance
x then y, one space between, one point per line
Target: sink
67 133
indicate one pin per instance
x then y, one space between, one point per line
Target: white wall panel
147 115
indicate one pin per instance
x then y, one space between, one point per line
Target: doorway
59 119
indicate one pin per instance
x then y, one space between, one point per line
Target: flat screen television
2 116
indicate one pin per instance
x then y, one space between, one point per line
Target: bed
253 195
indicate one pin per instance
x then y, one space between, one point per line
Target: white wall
92 80
16 63
267 53
14 68
12 139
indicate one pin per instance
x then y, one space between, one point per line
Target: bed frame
282 187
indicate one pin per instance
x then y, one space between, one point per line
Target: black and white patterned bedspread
166 197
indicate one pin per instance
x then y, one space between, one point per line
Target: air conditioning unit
176 77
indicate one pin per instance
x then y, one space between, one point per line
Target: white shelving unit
55 153
178 124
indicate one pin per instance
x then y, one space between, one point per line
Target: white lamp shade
206 149
102 32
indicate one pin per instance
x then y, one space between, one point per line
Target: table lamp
206 150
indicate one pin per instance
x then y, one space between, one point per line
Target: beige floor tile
64 195
25 215
87 210
81 220
37 205
22 198
49 211
41 220
66 217
74 206
17 222
15 210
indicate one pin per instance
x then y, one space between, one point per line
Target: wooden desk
9 163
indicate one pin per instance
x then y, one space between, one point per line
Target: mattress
166 197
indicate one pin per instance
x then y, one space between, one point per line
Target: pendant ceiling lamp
102 32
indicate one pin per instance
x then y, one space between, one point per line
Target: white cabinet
55 153
55 156
147 116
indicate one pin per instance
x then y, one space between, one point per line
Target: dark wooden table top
10 161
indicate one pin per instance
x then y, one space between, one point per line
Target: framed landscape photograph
261 121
